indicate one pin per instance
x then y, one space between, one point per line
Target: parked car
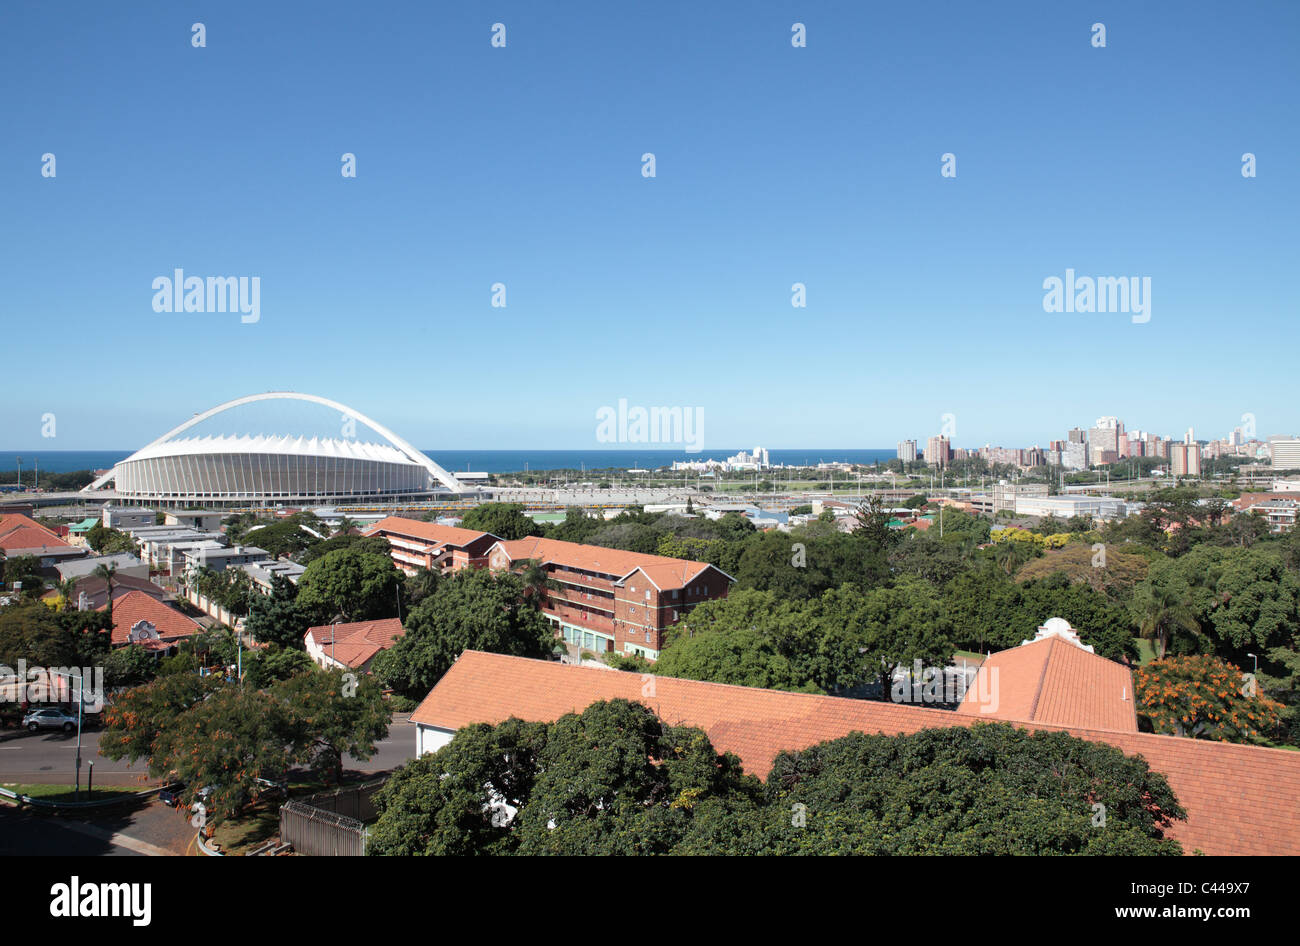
50 717
171 795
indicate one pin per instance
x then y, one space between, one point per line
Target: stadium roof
261 443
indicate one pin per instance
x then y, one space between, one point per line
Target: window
647 637
674 592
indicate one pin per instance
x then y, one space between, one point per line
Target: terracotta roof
22 532
1239 799
428 531
663 571
1053 681
96 588
31 537
135 606
16 520
356 643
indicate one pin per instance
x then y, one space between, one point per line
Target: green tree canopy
474 609
359 585
504 520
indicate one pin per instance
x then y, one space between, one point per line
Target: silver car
50 718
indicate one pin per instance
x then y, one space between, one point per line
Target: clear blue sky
775 165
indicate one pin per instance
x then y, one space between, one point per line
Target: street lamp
81 700
1256 659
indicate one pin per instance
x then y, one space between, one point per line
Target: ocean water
485 461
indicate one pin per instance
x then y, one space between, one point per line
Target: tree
129 667
901 625
360 585
988 789
1161 611
745 639
136 721
333 714
277 618
503 520
235 741
872 525
264 667
617 780
537 582
474 609
461 799
108 541
1203 697
25 569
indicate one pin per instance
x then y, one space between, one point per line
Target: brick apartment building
608 600
415 545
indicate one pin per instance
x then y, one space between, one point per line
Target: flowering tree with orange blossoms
1203 697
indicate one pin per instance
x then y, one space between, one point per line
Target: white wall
431 738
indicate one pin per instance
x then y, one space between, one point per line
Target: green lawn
1146 650
67 792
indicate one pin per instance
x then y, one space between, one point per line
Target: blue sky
775 165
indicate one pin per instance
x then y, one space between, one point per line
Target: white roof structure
295 446
175 467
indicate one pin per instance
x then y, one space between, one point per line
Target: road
49 758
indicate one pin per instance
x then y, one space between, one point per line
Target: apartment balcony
592 622
580 598
578 578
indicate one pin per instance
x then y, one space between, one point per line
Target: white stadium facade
266 469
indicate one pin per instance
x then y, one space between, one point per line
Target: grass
261 822
253 827
68 792
1146 650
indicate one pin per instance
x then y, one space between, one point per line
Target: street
49 758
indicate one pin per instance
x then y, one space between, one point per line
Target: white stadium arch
165 458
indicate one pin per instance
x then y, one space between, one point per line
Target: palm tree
1162 612
537 582
67 588
107 572
1007 555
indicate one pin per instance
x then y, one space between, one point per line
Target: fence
330 824
319 833
355 801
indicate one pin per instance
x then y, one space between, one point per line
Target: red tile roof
135 606
21 532
1239 799
1053 681
663 571
427 531
356 644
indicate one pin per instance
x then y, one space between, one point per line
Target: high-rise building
907 451
1185 459
937 451
1075 455
1286 453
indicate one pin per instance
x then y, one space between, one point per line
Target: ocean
486 461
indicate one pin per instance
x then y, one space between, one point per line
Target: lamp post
1256 659
81 699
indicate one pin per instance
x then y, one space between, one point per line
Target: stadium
260 469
